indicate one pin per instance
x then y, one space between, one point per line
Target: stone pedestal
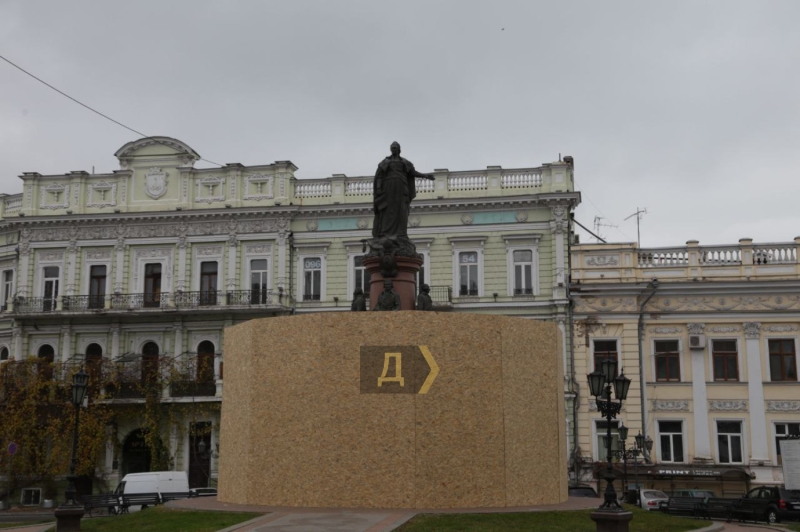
611 521
405 284
393 410
68 518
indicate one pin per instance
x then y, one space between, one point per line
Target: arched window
94 359
149 363
205 361
46 357
3 354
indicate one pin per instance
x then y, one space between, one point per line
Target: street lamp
600 386
69 514
626 454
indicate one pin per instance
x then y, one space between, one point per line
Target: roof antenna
598 223
639 212
559 156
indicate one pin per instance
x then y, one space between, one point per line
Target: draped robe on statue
393 189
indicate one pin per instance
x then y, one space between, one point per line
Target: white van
154 482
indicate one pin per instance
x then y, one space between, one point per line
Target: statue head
388 285
358 292
395 147
425 288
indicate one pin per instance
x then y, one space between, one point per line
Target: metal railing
249 297
35 304
196 299
139 301
441 295
83 303
191 388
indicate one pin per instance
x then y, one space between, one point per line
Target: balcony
441 297
190 388
83 303
197 299
249 297
26 305
139 301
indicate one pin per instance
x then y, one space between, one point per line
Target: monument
393 409
391 253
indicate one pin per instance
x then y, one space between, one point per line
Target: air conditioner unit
697 341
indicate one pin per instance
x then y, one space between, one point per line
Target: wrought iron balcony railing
79 303
190 388
35 304
249 297
441 295
139 301
196 299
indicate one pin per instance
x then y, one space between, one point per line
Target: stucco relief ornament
670 406
696 328
466 219
312 225
155 182
521 216
752 330
735 405
414 221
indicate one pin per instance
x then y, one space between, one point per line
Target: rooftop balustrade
625 262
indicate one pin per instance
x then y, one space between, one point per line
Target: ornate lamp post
610 516
626 454
69 514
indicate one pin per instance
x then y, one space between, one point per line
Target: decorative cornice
659 405
783 406
733 405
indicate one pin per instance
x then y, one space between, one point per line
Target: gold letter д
398 371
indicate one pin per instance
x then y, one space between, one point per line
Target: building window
312 279
152 285
782 432
601 430
149 363
605 350
94 360
468 273
258 282
8 287
46 356
97 286
205 361
523 272
50 295
671 440
782 363
3 354
726 360
361 275
208 283
668 361
729 442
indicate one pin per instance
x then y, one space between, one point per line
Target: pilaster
759 451
702 438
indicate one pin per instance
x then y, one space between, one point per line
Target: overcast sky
690 109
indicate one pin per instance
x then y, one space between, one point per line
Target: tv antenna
639 212
598 223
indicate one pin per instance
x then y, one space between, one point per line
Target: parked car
210 492
697 494
784 504
581 490
651 499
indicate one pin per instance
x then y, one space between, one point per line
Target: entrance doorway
199 454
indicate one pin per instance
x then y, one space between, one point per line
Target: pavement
291 519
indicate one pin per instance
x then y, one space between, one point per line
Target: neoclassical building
709 335
151 262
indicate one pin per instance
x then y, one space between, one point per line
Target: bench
109 501
135 499
682 506
719 508
749 510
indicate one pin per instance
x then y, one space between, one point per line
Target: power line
94 110
601 239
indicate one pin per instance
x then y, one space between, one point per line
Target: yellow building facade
709 335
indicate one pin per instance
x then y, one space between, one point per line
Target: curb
240 526
714 527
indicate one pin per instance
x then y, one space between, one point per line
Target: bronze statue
388 300
424 301
393 189
359 303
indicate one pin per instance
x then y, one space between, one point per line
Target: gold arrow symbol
434 369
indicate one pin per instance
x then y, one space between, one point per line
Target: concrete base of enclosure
348 410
